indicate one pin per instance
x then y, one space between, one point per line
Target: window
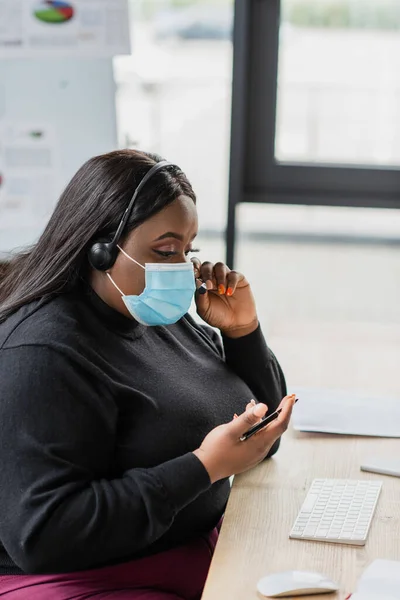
315 104
174 93
339 82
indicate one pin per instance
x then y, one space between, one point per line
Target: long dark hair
90 208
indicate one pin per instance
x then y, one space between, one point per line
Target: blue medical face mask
167 295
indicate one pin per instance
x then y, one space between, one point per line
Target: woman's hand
228 303
223 454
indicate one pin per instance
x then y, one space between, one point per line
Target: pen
263 423
202 289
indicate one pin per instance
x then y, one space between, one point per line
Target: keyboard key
309 503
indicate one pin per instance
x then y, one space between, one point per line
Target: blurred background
326 278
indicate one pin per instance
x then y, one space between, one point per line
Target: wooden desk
265 501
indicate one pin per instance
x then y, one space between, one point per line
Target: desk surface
264 504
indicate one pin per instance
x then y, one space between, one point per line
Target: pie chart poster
54 12
50 28
52 20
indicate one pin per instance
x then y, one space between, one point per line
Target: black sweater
99 417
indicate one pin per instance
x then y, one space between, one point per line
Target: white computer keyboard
337 510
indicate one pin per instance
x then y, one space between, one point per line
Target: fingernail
229 291
209 284
253 402
221 289
235 416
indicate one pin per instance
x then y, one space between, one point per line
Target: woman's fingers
217 277
233 278
207 275
250 404
220 273
200 283
197 266
250 417
281 423
284 402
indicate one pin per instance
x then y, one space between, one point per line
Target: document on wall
42 28
346 413
28 181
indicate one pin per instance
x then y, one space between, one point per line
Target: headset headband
102 254
157 167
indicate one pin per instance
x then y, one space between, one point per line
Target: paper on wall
28 178
47 28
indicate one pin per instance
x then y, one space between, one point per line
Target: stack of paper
347 413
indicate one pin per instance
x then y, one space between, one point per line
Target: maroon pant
177 574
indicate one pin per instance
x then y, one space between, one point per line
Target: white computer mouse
295 583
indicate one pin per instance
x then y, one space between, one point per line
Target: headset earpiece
102 255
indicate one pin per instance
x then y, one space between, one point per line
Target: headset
102 255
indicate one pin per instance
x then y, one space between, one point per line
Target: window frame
256 175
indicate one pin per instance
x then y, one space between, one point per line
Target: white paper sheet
35 28
384 464
347 413
380 581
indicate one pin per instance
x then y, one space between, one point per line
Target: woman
117 408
